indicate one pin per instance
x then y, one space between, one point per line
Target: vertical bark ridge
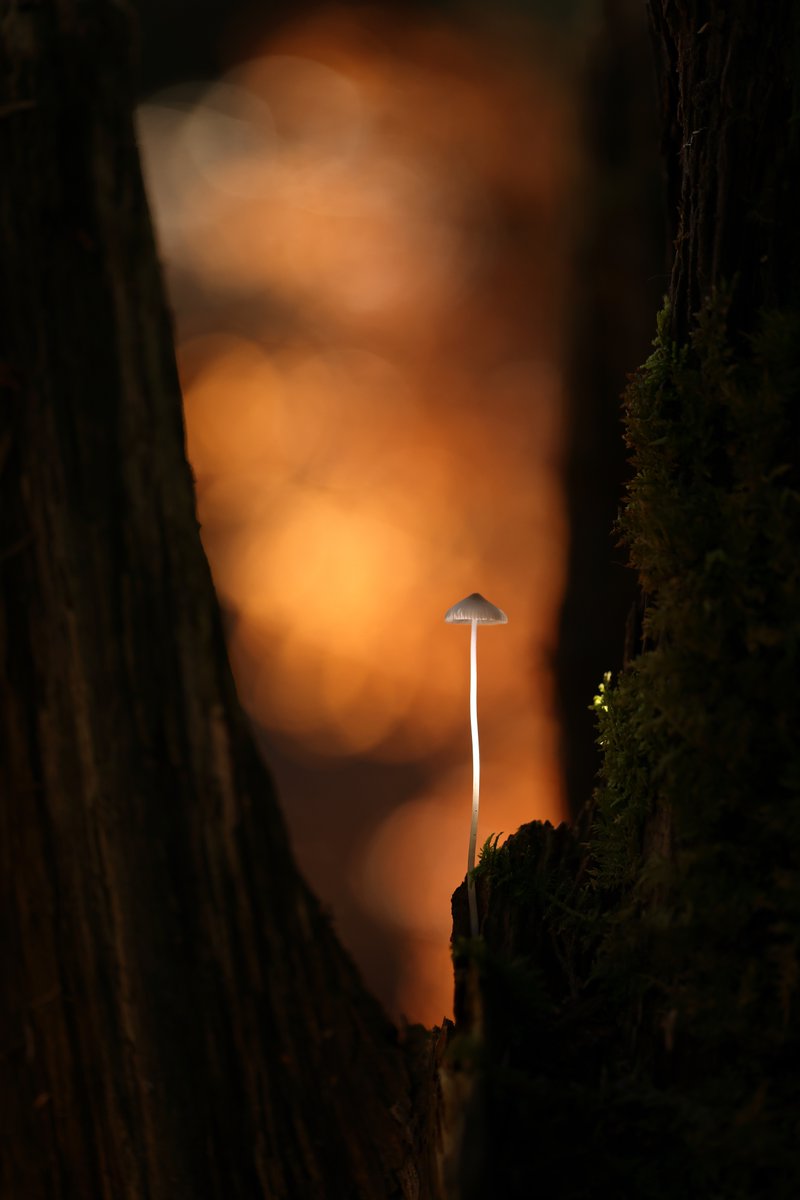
179 1018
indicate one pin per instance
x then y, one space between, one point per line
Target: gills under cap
475 608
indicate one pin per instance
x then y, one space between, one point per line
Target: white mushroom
474 610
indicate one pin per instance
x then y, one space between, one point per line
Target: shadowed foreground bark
629 1024
177 1017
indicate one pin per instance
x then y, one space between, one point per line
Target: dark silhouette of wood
177 1019
729 102
728 87
628 1025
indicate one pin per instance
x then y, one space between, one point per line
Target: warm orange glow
372 406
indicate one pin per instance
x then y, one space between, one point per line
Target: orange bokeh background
362 225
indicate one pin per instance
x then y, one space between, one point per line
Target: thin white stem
476 777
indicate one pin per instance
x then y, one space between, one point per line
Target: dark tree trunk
178 1019
630 1023
729 76
729 95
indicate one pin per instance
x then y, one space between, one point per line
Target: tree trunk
729 96
630 1023
178 1019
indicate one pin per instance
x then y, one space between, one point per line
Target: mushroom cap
475 608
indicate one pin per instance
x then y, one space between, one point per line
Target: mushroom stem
474 610
476 777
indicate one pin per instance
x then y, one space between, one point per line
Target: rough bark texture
730 114
177 1017
527 1037
729 96
629 1025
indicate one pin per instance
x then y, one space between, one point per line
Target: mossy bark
178 1019
632 1014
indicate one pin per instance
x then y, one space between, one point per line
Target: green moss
641 981
696 827
490 858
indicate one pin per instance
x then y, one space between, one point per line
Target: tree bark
178 1019
729 98
630 1023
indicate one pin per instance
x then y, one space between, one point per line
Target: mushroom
474 610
